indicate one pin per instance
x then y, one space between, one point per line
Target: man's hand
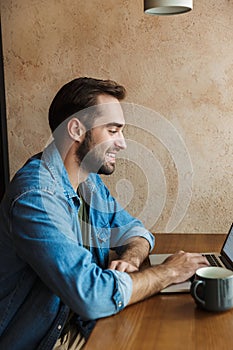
184 265
122 266
175 269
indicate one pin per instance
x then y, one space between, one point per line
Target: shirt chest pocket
101 246
103 235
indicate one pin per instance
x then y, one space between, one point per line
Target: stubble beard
90 160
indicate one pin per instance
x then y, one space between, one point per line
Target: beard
91 157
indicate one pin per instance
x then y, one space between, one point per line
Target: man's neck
75 173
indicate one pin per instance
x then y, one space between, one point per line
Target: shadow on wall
4 161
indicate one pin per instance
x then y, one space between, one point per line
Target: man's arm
177 268
131 255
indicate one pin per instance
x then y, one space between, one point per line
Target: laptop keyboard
212 260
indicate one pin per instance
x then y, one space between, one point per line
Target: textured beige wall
178 69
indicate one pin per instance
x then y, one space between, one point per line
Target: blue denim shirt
45 270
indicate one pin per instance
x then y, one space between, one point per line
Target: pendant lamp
167 7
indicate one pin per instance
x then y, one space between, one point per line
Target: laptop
222 259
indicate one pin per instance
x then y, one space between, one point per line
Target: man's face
98 151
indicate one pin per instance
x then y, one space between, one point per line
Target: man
58 223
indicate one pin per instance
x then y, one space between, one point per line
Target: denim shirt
47 267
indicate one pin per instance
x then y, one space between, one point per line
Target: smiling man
59 222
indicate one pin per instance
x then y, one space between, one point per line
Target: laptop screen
227 248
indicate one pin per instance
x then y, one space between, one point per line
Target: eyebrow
115 124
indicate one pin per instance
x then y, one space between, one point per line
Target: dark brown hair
78 95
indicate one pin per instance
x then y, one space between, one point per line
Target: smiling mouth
111 157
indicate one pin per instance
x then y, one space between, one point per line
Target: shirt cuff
139 231
125 287
150 238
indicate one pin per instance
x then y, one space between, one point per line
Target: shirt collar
53 161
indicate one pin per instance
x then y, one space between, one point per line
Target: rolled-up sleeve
124 227
125 286
140 231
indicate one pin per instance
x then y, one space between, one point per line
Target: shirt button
120 303
59 327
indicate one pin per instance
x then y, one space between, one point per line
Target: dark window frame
4 158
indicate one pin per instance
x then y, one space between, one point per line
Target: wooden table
168 322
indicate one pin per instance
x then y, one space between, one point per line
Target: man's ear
76 130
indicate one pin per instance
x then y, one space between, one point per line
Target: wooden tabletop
168 322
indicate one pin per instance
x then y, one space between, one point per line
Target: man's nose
120 142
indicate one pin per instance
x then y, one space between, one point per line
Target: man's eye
112 131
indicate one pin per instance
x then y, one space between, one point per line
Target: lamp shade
167 7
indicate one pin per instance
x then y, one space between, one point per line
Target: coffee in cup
212 288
